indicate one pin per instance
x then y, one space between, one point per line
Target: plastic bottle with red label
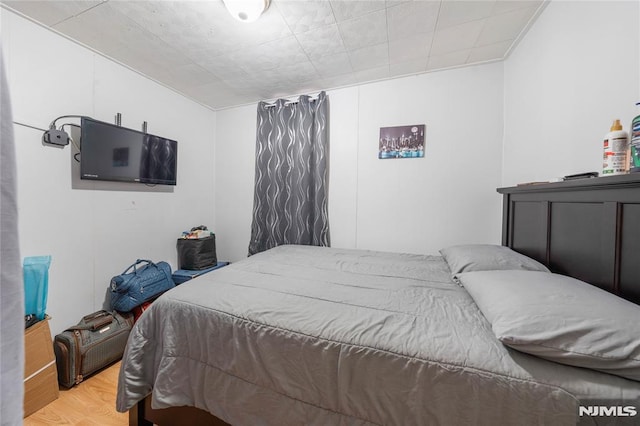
616 148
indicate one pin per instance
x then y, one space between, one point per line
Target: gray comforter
318 336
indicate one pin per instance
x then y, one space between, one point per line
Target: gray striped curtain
290 201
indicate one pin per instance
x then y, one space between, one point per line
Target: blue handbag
131 289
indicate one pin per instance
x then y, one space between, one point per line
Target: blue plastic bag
35 270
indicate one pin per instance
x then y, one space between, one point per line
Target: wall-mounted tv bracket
118 121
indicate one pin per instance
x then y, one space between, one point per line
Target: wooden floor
92 402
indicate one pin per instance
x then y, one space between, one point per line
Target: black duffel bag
196 254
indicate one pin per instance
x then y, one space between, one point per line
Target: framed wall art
402 141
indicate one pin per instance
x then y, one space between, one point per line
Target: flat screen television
110 152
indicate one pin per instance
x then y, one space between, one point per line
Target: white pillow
487 257
560 319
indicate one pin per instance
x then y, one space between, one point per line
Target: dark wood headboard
588 229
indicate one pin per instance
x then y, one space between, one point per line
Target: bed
309 335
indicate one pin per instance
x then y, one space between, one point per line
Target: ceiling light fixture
246 10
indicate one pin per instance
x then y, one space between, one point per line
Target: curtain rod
291 102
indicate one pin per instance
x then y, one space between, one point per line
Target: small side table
181 275
40 371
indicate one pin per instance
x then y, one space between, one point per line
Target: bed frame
588 229
142 414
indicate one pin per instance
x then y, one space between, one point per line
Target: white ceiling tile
309 86
459 37
503 6
410 48
187 26
246 85
222 67
338 81
348 9
197 48
489 52
269 55
211 47
239 60
103 28
369 57
272 93
372 74
305 15
448 60
506 26
215 60
167 18
291 72
391 3
366 30
108 31
312 87
51 12
267 85
410 18
321 41
185 75
146 63
333 65
209 90
454 12
405 68
194 26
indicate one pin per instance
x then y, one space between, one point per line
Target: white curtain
11 287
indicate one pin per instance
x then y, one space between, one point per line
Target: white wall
234 172
449 197
575 71
405 205
555 97
93 230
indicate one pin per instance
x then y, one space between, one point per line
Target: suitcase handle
95 315
91 327
101 323
94 321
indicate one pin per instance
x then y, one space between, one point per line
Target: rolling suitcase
95 342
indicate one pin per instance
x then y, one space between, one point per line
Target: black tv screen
110 152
